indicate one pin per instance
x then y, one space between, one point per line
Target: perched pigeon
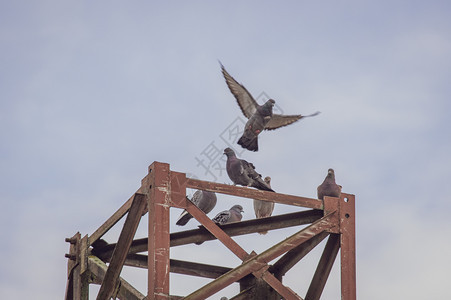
329 187
260 116
243 173
205 200
229 216
263 208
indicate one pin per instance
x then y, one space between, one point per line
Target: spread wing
245 100
284 120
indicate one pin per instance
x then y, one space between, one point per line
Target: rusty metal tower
161 189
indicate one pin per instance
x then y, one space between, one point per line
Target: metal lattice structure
161 189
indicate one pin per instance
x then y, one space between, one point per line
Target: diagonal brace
256 263
237 250
121 250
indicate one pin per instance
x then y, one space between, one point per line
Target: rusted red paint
165 188
255 263
254 194
178 189
347 244
158 242
216 231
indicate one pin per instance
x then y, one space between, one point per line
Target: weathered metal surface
226 279
298 238
179 266
121 249
332 204
215 230
292 257
284 291
178 189
347 244
165 188
247 227
233 229
197 269
260 261
254 194
220 282
84 254
126 291
77 285
158 242
256 288
324 267
73 252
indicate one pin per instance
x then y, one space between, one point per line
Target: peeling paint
163 189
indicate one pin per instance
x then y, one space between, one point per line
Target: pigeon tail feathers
261 185
249 144
184 218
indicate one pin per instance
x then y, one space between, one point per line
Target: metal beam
234 229
179 266
254 194
158 232
238 251
246 227
164 188
121 249
347 245
126 291
215 230
259 261
108 224
77 285
292 257
324 267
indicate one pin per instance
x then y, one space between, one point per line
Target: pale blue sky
92 93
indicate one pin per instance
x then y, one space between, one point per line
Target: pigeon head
266 108
229 152
270 103
237 208
267 180
331 173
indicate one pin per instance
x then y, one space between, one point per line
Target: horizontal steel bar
234 229
254 194
179 266
247 227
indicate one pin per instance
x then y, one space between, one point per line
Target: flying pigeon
263 208
243 173
260 116
229 216
329 187
205 200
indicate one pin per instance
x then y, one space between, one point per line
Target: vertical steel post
347 245
158 241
